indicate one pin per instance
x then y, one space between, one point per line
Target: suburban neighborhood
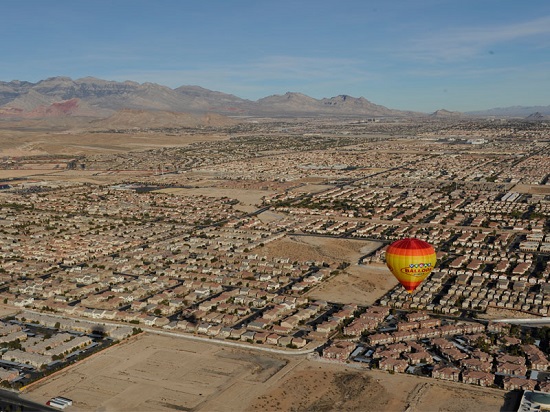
196 248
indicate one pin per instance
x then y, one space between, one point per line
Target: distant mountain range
532 112
101 98
96 98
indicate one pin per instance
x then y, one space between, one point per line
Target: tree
515 330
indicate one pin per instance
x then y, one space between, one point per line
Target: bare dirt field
358 284
320 248
532 189
77 176
7 311
500 313
316 387
156 373
16 142
361 284
269 216
311 188
8 174
248 199
161 373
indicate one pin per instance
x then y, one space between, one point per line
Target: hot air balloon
411 261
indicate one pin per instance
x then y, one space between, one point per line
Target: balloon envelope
411 261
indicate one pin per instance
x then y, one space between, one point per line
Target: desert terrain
38 140
248 199
341 388
6 310
151 372
155 372
359 284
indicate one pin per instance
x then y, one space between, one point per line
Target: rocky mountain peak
105 97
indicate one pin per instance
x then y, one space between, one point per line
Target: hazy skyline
415 55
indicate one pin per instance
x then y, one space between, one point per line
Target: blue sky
418 55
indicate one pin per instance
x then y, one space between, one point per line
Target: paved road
205 339
527 322
14 401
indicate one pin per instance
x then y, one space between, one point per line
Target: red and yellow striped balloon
411 261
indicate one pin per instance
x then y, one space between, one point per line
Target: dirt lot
311 187
19 142
361 284
532 189
8 174
157 373
249 200
319 248
314 387
7 311
500 313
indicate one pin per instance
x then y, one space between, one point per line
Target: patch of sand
532 189
358 284
325 390
7 311
14 142
161 373
311 188
436 396
11 173
270 216
501 313
316 387
319 248
245 197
